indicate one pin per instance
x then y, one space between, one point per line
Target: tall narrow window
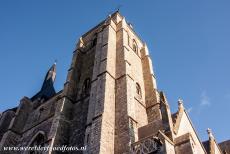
138 89
39 140
135 48
87 139
86 86
94 42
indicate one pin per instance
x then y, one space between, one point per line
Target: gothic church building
109 104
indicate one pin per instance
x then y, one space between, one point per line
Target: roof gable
184 125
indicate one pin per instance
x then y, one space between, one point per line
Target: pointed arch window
135 48
138 89
38 140
86 86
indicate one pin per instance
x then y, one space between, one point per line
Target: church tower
110 90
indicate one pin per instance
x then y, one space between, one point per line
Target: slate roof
47 91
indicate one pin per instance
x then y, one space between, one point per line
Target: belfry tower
110 90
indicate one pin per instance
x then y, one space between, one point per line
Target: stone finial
146 50
130 25
80 43
55 62
123 21
209 131
180 103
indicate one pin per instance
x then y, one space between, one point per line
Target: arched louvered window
135 48
86 86
138 89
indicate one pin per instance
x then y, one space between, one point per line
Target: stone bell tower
110 90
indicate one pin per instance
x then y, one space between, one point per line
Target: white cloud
204 99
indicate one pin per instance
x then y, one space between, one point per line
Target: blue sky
189 42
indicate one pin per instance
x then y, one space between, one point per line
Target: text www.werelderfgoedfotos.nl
63 148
